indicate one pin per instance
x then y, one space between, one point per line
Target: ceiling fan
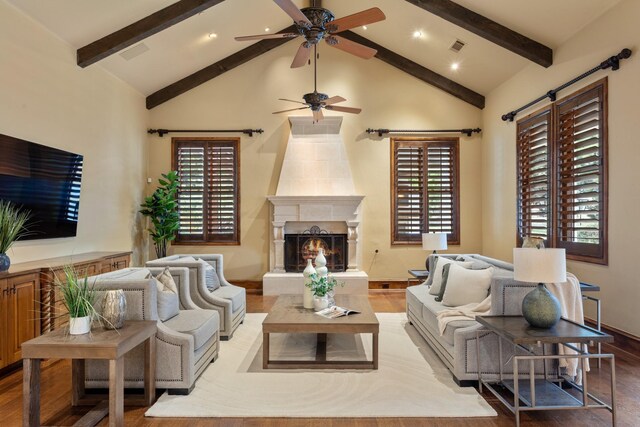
316 23
316 101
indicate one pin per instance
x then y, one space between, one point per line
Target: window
562 174
425 189
209 190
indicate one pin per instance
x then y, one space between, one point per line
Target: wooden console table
99 344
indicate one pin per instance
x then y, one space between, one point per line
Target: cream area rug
410 382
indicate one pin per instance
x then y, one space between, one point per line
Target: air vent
136 50
457 46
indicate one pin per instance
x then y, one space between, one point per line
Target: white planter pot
320 303
79 325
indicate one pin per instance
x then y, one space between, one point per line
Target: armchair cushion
168 302
166 279
200 324
235 294
211 279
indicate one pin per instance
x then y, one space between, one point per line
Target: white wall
616 29
246 97
46 98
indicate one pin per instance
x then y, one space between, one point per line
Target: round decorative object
540 308
331 296
114 308
321 263
320 303
79 325
5 262
307 298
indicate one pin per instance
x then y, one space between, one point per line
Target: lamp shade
434 241
539 265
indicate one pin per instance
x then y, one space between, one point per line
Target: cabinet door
22 312
4 347
115 263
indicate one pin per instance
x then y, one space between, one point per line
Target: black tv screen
43 180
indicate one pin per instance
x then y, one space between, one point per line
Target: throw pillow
445 278
166 279
211 279
437 273
168 302
466 286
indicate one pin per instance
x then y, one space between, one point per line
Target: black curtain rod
467 131
163 132
612 62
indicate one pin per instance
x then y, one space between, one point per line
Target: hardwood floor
57 410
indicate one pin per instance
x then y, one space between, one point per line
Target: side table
101 343
417 276
533 394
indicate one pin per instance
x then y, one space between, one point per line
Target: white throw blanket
570 297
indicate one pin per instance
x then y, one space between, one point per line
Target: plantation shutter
534 174
409 212
581 174
208 193
424 189
442 185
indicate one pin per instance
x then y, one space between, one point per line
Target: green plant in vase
13 221
79 298
322 288
162 208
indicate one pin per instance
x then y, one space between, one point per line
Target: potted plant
322 288
79 298
162 208
13 222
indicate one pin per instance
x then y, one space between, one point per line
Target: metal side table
417 276
531 394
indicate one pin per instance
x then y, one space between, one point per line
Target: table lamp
539 307
434 241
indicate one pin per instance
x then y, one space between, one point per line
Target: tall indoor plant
13 221
162 208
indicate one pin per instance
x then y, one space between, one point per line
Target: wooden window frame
211 241
452 238
599 254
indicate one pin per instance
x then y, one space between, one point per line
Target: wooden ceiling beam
140 30
488 29
418 71
214 70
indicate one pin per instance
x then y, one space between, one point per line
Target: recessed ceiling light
417 34
364 27
267 29
455 66
213 35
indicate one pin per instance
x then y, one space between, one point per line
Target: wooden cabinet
29 305
19 305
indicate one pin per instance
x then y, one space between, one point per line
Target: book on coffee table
335 312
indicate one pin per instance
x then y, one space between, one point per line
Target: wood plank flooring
57 410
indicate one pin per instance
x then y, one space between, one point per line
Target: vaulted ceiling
410 31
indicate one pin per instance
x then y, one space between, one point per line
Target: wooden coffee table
290 317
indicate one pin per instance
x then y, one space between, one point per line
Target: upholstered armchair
185 343
229 300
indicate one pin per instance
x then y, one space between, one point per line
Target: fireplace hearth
298 248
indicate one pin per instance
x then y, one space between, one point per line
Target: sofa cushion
200 324
415 297
466 286
235 294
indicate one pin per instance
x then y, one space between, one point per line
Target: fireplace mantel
315 209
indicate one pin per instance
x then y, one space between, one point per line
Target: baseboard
621 339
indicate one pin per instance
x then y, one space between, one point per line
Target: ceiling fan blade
293 109
333 100
317 115
302 56
365 17
292 10
344 109
267 36
291 100
353 48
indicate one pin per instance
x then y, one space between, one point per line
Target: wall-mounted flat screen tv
45 181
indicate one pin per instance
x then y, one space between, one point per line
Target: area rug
410 382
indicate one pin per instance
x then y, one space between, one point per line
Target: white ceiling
185 48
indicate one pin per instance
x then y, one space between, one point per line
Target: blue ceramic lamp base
540 308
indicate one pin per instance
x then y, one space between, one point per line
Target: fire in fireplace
298 248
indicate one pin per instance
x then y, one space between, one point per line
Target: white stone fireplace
315 188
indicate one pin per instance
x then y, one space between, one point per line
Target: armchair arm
507 295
